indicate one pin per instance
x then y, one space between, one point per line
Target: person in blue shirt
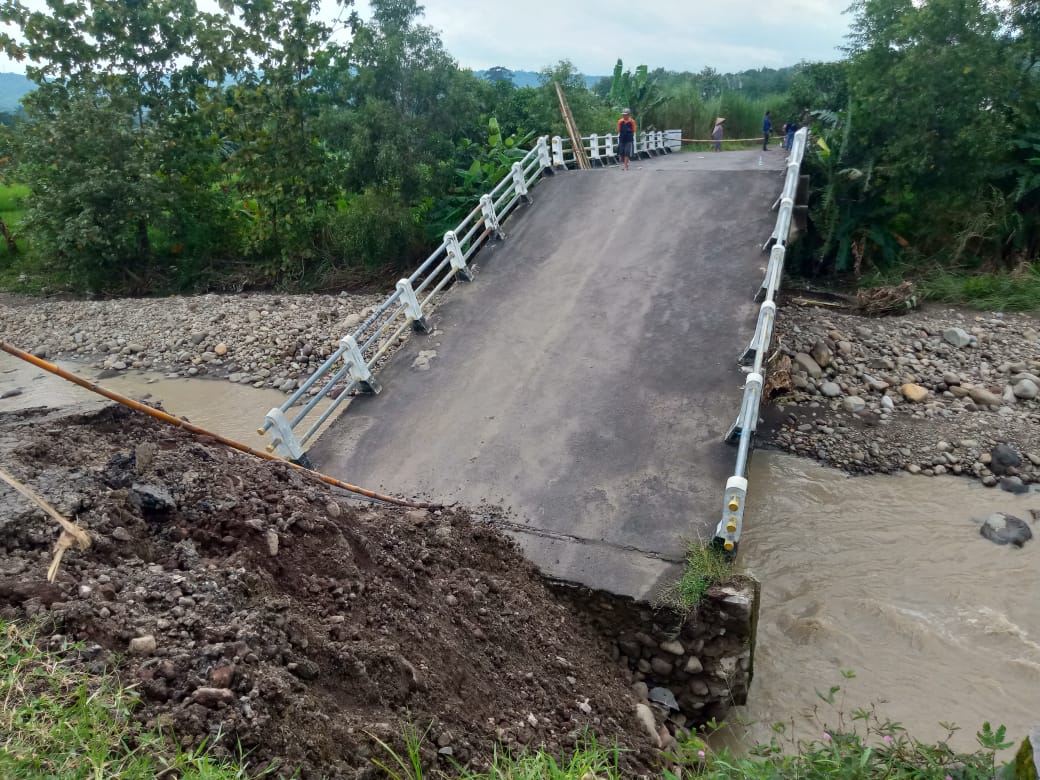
791 128
767 127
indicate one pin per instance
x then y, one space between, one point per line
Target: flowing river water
886 576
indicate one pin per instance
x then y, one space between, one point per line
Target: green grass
57 721
860 745
988 291
705 566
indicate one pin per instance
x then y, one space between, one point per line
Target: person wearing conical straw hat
716 135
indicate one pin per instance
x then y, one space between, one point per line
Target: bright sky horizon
593 35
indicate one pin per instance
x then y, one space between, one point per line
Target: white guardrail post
594 151
456 258
544 158
742 432
412 307
557 152
487 207
519 182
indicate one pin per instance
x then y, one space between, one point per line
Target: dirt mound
248 602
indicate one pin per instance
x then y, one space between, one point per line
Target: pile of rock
929 393
264 340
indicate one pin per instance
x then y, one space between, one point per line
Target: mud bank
246 601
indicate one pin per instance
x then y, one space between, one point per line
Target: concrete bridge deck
584 381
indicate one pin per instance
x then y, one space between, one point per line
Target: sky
593 34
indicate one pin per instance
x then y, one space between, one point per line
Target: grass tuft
60 721
705 566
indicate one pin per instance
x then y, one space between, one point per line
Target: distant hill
12 87
523 78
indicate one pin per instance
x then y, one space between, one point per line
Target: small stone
640 690
693 665
143 645
887 403
221 349
660 666
221 676
197 338
673 646
854 403
151 499
984 397
120 534
11 393
271 537
1026 389
821 353
830 389
1002 457
958 337
1013 485
808 365
914 392
333 510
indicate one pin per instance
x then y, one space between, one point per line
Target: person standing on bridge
626 130
716 135
767 127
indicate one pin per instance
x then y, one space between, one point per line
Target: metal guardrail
358 353
742 432
352 361
602 149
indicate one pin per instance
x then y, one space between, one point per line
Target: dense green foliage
929 139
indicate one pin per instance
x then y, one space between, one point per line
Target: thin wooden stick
70 532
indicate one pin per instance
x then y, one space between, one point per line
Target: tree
105 147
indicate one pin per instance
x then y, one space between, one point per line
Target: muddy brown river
886 576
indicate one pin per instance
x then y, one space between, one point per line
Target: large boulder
1003 458
1002 528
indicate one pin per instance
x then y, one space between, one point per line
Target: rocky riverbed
931 392
935 391
264 340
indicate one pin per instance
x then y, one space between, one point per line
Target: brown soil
363 618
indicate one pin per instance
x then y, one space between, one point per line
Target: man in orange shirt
626 129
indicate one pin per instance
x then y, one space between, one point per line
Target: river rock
830 389
1026 389
1013 485
1002 528
1002 457
854 403
958 337
913 392
143 645
982 396
808 365
821 353
221 349
673 646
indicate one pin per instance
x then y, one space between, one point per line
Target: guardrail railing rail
742 432
359 352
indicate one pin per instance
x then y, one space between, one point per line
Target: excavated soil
289 618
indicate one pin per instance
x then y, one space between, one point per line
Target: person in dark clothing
767 127
626 129
791 128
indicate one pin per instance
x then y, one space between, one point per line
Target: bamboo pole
70 532
179 423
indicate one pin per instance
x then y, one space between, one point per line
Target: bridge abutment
686 667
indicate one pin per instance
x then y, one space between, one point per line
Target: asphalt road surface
585 379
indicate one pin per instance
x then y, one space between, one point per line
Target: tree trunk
12 247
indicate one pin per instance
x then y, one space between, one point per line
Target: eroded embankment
248 602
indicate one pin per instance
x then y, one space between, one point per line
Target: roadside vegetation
926 157
60 721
